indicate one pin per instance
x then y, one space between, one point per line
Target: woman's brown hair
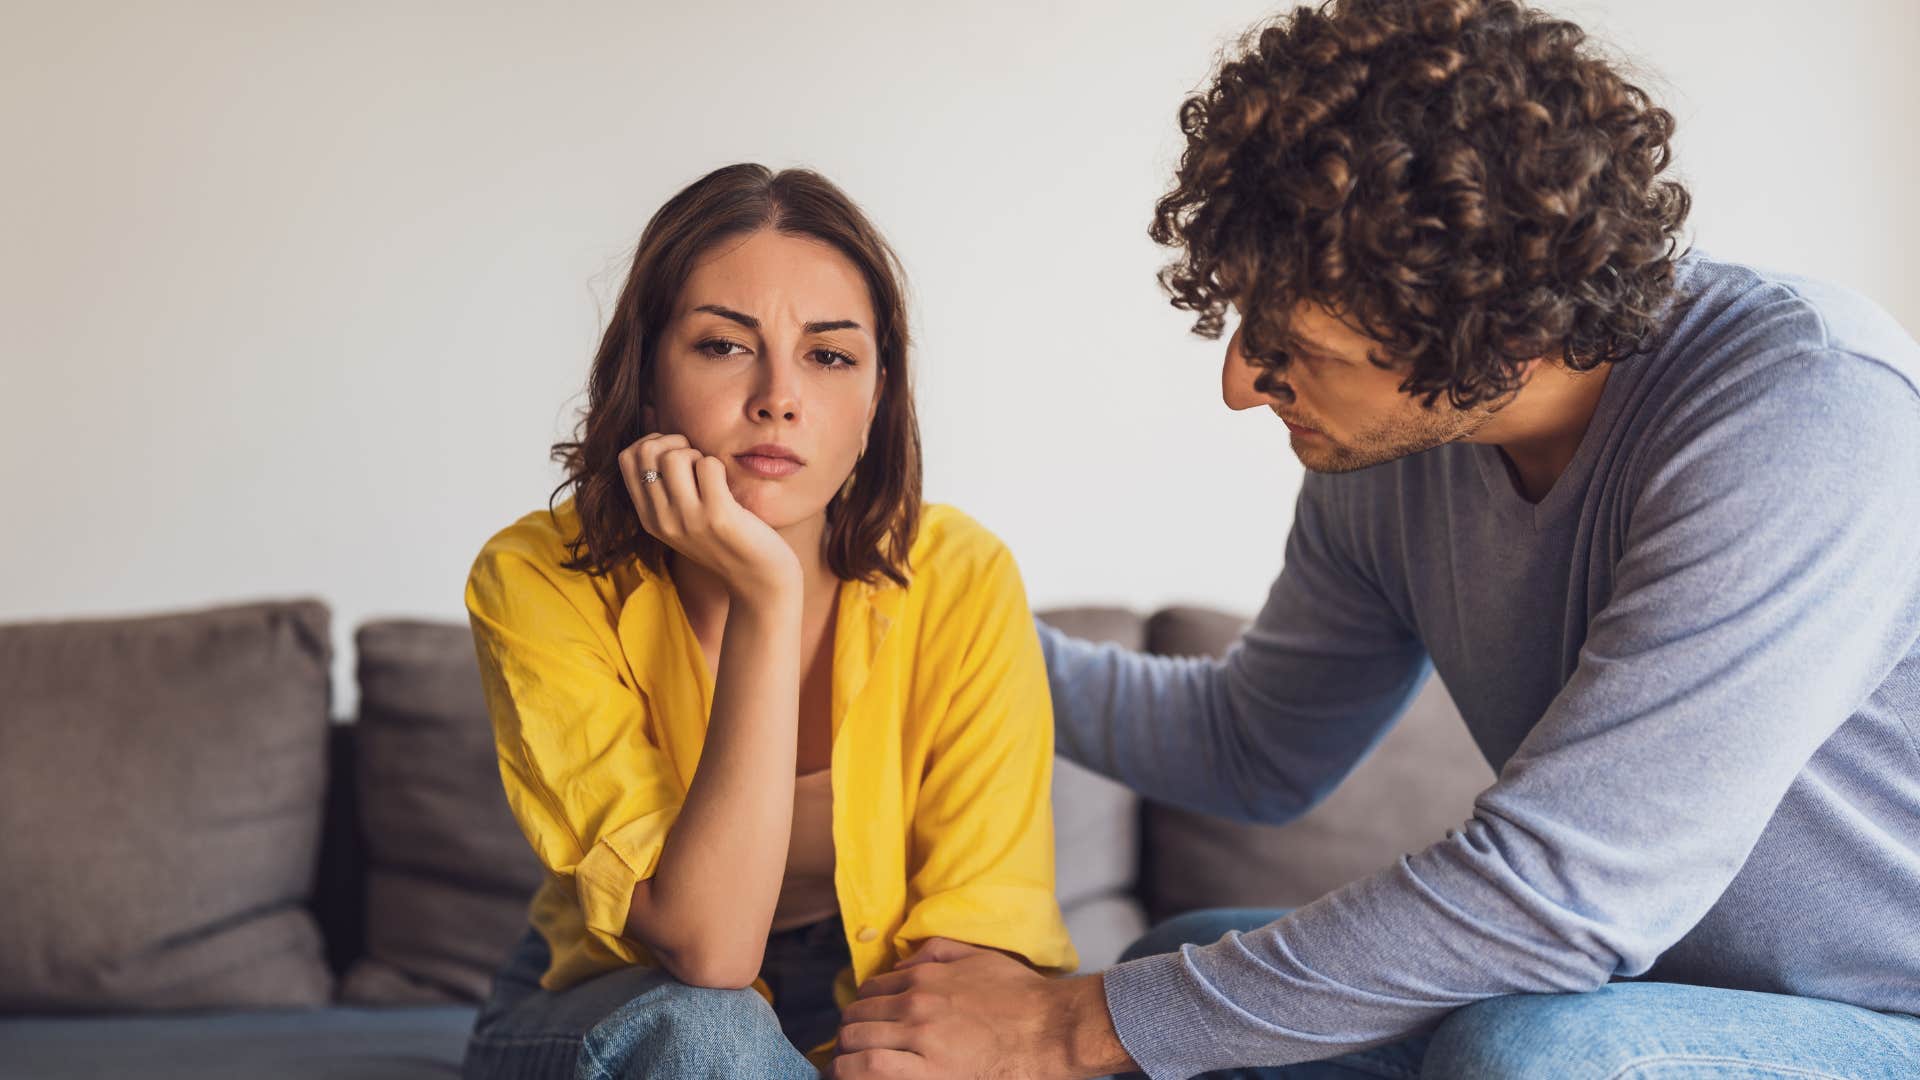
1463 180
871 521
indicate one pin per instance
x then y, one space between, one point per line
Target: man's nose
1241 383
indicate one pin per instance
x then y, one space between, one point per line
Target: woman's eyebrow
752 323
747 321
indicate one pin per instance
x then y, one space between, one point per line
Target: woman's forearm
707 908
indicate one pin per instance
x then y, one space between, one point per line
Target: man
1650 516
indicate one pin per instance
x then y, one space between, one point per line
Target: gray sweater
1693 666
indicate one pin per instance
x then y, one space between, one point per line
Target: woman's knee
1202 927
679 1030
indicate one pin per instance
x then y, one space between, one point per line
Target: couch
207 875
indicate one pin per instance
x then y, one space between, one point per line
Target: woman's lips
768 465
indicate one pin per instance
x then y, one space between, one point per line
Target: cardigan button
866 934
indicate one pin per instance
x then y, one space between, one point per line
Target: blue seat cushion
338 1043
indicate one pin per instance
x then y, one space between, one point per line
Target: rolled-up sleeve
981 866
591 790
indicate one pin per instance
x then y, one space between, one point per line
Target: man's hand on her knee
958 1010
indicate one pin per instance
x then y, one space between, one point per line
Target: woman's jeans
1622 1031
642 1022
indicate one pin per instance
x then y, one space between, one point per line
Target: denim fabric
1623 1031
642 1022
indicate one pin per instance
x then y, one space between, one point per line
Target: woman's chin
780 510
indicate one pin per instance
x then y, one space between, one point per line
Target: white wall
293 302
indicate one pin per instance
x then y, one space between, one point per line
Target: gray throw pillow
449 874
160 801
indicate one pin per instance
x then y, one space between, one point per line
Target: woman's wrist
771 596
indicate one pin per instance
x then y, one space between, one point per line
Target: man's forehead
1313 326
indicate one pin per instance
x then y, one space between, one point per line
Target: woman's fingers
649 499
682 493
710 477
690 507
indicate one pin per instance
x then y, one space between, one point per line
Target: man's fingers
893 982
881 1065
866 1010
939 950
878 1035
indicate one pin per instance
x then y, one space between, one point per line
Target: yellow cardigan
942 745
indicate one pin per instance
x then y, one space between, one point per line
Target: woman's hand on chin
691 510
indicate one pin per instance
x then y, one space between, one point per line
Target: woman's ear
647 418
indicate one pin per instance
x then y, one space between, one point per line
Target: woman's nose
778 394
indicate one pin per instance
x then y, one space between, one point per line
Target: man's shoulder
1734 322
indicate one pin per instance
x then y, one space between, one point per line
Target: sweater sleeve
1762 597
1271 729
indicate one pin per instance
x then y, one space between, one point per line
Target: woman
769 723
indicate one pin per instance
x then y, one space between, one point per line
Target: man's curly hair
1459 179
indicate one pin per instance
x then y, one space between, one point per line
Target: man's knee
1530 1035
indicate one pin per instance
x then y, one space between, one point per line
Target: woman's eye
835 358
718 347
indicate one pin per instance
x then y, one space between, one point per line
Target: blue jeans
642 1022
1622 1031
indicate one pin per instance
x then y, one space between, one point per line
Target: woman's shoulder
537 545
952 550
947 534
540 536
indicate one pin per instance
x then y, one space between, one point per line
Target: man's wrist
1091 1045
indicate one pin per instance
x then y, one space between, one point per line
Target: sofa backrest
1120 860
422 878
1419 781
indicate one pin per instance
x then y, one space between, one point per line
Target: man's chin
1323 458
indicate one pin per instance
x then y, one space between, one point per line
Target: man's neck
1540 428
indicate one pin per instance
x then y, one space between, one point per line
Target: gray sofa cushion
274 1044
1096 823
449 875
1419 782
161 788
